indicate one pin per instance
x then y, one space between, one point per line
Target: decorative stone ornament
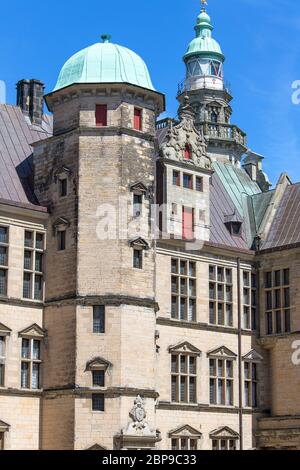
185 135
139 427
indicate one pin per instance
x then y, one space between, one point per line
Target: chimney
30 98
253 166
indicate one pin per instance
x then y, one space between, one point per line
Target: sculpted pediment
4 426
185 431
184 347
224 432
96 447
4 330
33 331
139 243
184 136
253 356
222 352
98 363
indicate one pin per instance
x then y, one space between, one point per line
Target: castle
149 275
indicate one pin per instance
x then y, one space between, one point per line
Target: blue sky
260 39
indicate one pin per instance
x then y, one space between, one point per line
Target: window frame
277 301
252 382
4 267
140 264
104 107
184 378
102 310
220 307
138 117
30 360
31 271
216 378
3 360
249 292
93 398
186 283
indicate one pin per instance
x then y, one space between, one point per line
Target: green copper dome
204 44
105 63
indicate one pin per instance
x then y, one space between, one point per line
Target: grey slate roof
285 228
16 167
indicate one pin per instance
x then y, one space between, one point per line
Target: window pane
192 390
212 368
27 259
38 287
174 312
287 297
268 280
138 259
28 239
229 400
192 365
174 266
99 319
174 366
63 187
212 392
277 276
278 322
192 310
24 375
229 315
174 388
175 445
35 376
98 402
199 184
27 286
61 240
182 309
212 317
193 444
220 391
25 348
36 349
286 277
212 273
39 262
3 256
3 235
287 319
183 396
39 241
183 364
137 205
2 367
3 281
2 346
98 378
247 389
269 325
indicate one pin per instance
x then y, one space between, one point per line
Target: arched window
187 152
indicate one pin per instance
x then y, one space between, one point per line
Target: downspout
241 429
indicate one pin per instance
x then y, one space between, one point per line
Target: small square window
98 378
63 187
176 178
188 181
61 240
98 402
138 259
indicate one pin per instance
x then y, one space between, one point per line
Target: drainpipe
241 429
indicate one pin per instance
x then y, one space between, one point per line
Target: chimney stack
30 98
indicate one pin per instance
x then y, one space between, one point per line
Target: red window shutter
187 223
187 152
101 115
138 119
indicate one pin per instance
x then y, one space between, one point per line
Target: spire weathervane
204 3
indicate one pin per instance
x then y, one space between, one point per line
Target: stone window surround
225 434
4 333
33 332
226 356
62 174
225 282
4 428
185 279
270 291
98 364
249 285
185 438
31 270
253 357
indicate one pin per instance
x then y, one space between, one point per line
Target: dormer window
233 224
187 152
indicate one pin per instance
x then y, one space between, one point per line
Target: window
3 260
98 402
214 117
277 301
33 282
183 288
1 440
220 296
249 300
138 259
101 115
187 152
63 187
30 363
61 240
199 184
137 119
250 384
137 205
224 444
184 443
176 178
183 378
187 223
99 319
216 68
221 382
98 378
187 181
2 360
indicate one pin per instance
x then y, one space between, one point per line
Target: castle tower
96 174
209 97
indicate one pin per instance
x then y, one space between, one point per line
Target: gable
96 447
184 347
4 330
185 431
224 432
253 356
33 331
98 363
222 352
139 243
4 426
138 187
